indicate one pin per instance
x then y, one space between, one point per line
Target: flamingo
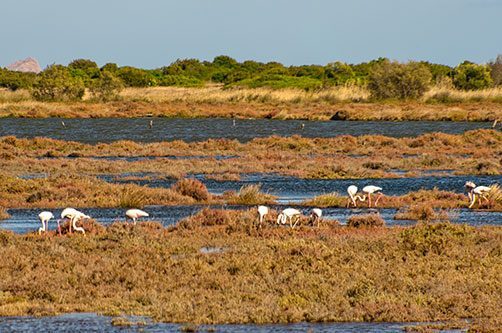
134 214
262 211
44 218
74 216
150 124
474 191
315 215
289 213
353 197
369 190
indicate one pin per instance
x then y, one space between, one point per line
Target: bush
496 70
179 81
433 238
421 212
366 220
278 81
395 80
16 80
85 69
192 188
470 76
56 83
134 77
106 87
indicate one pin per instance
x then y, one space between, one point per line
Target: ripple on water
93 130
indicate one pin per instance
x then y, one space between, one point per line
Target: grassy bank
217 268
349 103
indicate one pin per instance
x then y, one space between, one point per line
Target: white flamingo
289 213
353 197
74 216
369 190
315 215
476 191
134 214
262 211
44 218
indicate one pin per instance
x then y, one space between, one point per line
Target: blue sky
153 33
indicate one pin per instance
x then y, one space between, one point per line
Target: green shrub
471 76
56 83
84 69
16 80
106 87
277 81
396 80
134 77
179 81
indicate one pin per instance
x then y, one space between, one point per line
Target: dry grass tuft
421 212
365 220
326 200
249 195
3 213
193 188
132 197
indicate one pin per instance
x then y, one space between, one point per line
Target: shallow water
26 220
292 189
95 130
90 322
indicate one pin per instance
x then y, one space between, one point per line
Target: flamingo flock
289 216
75 216
367 192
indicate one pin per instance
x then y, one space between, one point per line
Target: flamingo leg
473 201
297 219
486 199
369 200
379 197
59 229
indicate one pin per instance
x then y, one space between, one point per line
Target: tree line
384 78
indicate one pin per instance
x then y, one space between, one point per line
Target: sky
154 33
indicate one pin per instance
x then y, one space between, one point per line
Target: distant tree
471 76
224 61
340 73
134 77
107 87
56 83
16 80
396 80
85 69
496 70
438 71
313 71
110 67
187 67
